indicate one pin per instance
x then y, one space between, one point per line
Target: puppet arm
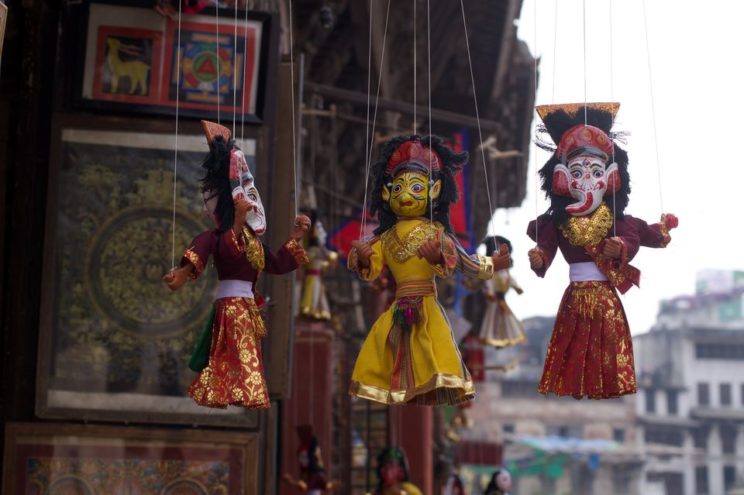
471 265
545 233
290 256
366 259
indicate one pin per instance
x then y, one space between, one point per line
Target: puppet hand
430 251
613 247
519 290
670 221
301 227
536 259
241 210
176 278
364 253
501 260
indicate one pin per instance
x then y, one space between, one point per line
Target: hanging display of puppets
586 179
314 301
499 328
392 474
312 480
410 354
230 363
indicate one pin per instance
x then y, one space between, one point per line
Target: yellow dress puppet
410 354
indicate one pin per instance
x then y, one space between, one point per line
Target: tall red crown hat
581 137
413 152
212 130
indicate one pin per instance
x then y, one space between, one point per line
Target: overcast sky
696 64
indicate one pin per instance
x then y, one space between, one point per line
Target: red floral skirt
590 352
234 375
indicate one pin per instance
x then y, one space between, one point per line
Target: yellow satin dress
417 361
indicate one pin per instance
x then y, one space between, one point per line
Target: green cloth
200 357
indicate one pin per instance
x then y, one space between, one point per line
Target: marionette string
428 49
292 92
555 44
477 119
363 223
612 98
234 68
415 68
537 119
583 22
217 51
371 135
245 71
175 151
653 107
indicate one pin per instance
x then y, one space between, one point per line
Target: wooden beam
401 106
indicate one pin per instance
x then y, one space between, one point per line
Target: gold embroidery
298 252
195 260
585 231
402 249
254 252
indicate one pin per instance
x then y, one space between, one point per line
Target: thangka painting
136 60
59 459
115 340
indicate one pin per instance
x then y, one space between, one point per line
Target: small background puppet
313 299
410 354
590 353
499 328
231 368
312 479
500 484
392 474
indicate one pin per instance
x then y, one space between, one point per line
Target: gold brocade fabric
588 230
254 252
403 248
590 352
234 375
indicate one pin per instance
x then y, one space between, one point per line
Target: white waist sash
234 288
586 271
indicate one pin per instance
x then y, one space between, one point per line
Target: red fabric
413 151
590 352
234 375
583 136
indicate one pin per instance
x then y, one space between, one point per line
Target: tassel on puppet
410 354
231 367
590 353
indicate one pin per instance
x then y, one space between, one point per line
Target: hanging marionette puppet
500 328
590 352
500 483
232 371
314 301
312 480
410 354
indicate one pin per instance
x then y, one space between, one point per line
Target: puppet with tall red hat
586 179
231 372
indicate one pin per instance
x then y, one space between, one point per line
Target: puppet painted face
504 481
585 178
408 193
243 186
210 205
392 474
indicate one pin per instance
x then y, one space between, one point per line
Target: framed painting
48 458
114 341
132 59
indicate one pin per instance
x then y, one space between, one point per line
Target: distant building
690 403
558 446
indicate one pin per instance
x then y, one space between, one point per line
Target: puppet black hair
217 180
451 162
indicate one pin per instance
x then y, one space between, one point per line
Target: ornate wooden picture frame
43 458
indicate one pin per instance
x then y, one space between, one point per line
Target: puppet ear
614 181
560 180
436 189
385 193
